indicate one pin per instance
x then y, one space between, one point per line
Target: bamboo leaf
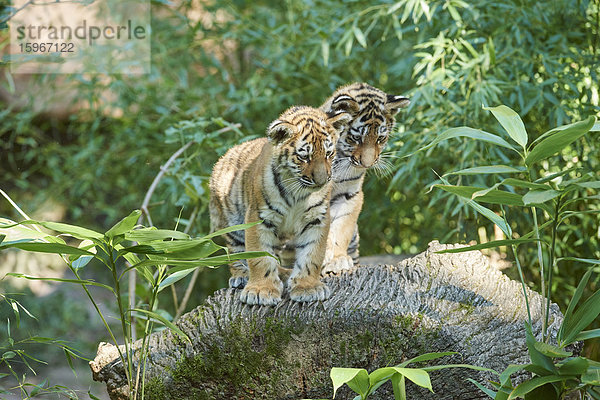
427 357
465 131
540 196
417 376
124 225
555 143
52 248
360 36
491 169
528 386
511 122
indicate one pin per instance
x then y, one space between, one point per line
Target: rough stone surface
377 316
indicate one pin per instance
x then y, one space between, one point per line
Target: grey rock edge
377 316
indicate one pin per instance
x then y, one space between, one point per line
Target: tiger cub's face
372 122
304 145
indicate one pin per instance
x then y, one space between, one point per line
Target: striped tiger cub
285 181
359 148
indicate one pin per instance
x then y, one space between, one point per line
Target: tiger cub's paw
337 265
304 291
264 293
238 282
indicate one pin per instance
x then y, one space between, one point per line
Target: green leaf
574 366
525 184
551 351
325 51
360 36
485 390
534 383
150 234
540 196
339 376
491 169
589 185
181 265
399 386
510 369
591 376
124 225
596 127
174 277
555 143
52 248
231 229
568 322
164 321
489 245
511 122
427 357
417 376
75 231
78 281
177 249
548 178
493 196
465 131
586 335
537 358
583 317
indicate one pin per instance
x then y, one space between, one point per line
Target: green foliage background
220 62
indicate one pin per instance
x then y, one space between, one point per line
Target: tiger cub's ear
339 120
345 103
393 103
278 131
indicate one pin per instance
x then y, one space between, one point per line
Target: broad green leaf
53 248
489 245
539 196
399 386
417 376
465 131
574 366
489 214
360 36
589 185
181 265
596 127
586 335
174 277
492 196
510 369
551 351
558 129
231 229
381 375
555 143
491 169
124 225
485 390
177 249
511 122
150 234
164 321
527 386
427 357
591 377
75 231
82 261
339 376
537 358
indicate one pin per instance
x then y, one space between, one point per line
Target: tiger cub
285 181
358 149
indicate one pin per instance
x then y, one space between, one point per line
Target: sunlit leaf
511 122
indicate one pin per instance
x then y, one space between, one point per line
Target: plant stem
555 223
514 249
123 318
542 275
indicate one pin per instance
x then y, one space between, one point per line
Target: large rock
377 316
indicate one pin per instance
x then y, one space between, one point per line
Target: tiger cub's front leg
264 286
304 282
344 216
